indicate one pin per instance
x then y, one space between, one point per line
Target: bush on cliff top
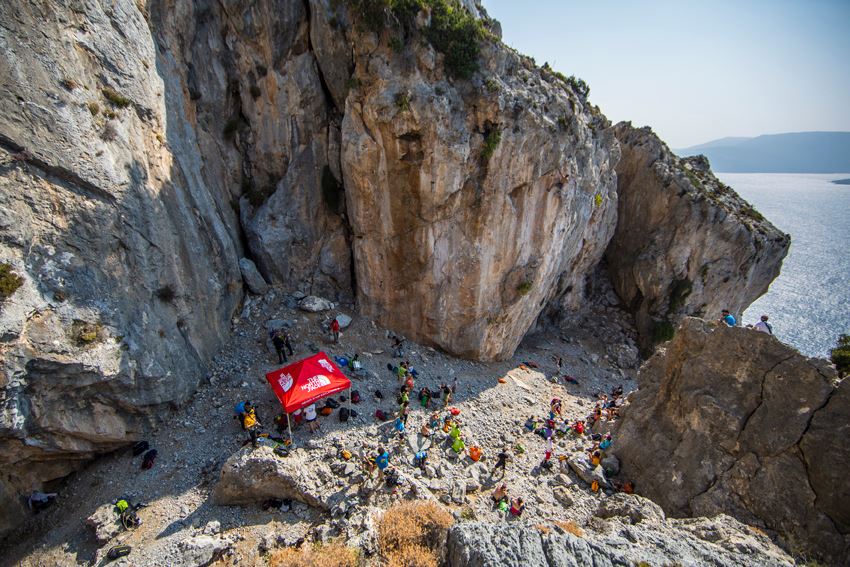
328 555
840 355
453 31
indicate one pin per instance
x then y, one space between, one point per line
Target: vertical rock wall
686 244
472 203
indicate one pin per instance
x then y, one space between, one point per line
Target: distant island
841 181
796 152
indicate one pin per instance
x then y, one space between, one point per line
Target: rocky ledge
730 420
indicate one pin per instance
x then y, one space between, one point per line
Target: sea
809 303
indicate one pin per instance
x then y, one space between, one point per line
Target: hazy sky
696 70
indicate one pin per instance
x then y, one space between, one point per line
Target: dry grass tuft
543 529
329 555
571 527
412 534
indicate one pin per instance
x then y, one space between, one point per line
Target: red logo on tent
306 381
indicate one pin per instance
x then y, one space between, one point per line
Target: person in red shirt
335 330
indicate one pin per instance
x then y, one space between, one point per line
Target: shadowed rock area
730 420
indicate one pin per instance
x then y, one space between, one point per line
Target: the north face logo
316 382
326 365
285 381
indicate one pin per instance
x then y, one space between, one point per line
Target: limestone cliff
730 420
146 147
685 244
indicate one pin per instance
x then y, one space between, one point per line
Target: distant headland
796 152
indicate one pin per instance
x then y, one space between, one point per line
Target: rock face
627 536
741 424
128 254
686 244
254 475
472 203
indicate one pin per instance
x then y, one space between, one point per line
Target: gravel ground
194 440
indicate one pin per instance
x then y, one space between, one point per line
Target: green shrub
523 288
840 355
115 97
563 121
579 87
680 289
9 281
492 85
166 294
662 331
491 141
456 34
402 101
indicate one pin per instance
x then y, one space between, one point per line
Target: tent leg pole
289 426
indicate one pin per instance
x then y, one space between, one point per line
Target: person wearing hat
763 326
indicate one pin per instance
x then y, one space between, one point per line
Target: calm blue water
809 303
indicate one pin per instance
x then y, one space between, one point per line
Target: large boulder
717 541
685 244
257 474
729 420
252 276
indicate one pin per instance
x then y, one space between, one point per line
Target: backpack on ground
343 414
331 403
118 551
355 397
148 460
130 520
326 411
140 448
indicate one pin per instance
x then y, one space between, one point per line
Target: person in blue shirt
728 318
382 460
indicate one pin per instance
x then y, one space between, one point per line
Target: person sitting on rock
728 318
425 431
617 392
419 460
447 394
517 507
554 408
500 493
398 347
458 446
454 432
578 427
605 442
240 410
763 326
311 418
354 364
595 458
434 421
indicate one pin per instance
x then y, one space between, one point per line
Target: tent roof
306 381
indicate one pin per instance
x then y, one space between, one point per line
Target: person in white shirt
310 416
763 326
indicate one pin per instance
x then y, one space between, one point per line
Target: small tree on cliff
840 355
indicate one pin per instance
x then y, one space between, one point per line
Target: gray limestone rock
314 304
748 427
252 276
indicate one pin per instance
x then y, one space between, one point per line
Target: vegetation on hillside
840 355
9 281
453 31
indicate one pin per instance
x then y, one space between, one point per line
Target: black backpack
149 459
355 397
118 551
343 414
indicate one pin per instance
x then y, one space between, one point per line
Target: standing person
382 460
310 417
763 326
728 318
251 423
279 342
398 347
335 330
501 462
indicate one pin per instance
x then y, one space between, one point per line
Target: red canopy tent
307 381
